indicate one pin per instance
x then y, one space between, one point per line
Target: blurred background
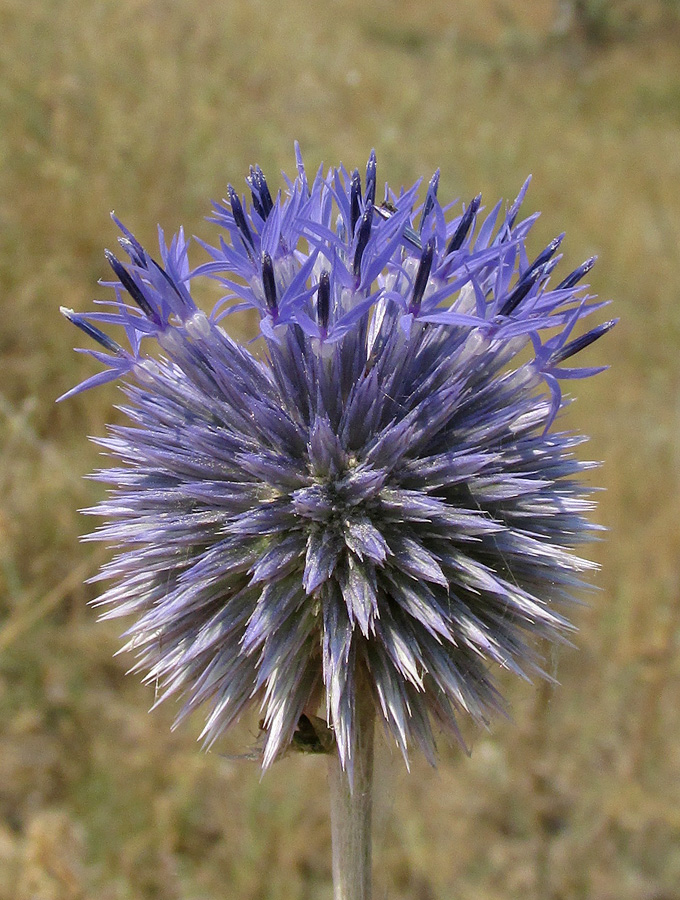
150 107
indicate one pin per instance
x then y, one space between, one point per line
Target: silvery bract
374 483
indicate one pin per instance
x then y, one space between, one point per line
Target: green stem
351 808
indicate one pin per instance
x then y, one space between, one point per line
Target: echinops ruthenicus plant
370 508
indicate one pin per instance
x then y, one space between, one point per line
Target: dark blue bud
429 199
269 283
239 216
323 300
522 288
580 343
461 231
422 276
362 237
355 200
262 199
90 330
265 196
131 287
571 280
371 176
546 254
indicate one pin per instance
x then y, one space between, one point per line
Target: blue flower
377 488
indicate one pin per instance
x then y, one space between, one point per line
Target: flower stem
351 808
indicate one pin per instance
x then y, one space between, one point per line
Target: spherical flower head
370 497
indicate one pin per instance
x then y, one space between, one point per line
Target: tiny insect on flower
381 491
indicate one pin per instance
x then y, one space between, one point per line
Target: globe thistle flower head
377 498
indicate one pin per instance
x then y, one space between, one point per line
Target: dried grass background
150 107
